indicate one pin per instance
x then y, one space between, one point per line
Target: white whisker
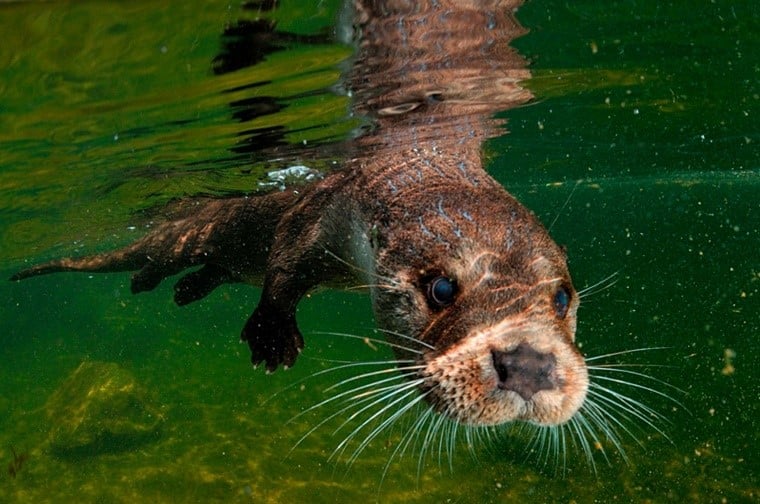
375 373
370 286
637 386
392 362
633 407
600 417
405 440
600 286
617 369
404 336
564 205
358 392
371 340
624 352
353 402
377 430
387 393
389 281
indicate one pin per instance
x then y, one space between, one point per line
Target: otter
464 280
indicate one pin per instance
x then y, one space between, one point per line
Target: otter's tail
230 238
119 260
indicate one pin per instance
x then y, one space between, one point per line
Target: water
641 148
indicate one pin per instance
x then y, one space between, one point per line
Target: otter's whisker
370 286
412 434
372 340
406 388
640 387
436 430
354 390
609 423
393 362
453 428
535 445
602 421
603 367
469 432
353 403
407 337
617 369
553 448
628 405
563 447
375 373
581 427
587 426
600 286
386 423
377 430
434 423
624 352
545 444
578 439
354 267
537 442
564 205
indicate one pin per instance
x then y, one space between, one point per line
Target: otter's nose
524 370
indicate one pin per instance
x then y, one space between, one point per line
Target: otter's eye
441 291
561 302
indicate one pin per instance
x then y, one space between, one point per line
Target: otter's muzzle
524 370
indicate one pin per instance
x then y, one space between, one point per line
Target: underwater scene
632 134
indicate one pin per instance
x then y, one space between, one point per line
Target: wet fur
411 203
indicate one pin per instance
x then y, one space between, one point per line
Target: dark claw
273 337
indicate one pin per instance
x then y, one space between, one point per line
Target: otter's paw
199 284
273 337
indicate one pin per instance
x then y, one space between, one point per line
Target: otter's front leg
271 331
297 263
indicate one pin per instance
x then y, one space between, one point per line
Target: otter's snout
524 370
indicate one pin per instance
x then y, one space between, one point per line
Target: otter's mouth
496 376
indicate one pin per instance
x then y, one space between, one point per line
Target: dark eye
441 292
561 302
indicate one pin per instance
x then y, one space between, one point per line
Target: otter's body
463 278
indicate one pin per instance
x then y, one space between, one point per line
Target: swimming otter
464 279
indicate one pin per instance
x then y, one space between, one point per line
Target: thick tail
120 260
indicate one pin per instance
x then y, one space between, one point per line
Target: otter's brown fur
457 264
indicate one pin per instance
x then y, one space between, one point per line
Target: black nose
524 370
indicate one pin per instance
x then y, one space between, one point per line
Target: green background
640 152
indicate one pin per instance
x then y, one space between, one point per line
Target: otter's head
488 296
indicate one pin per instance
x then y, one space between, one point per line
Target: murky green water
641 151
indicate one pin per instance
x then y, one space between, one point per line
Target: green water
641 152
